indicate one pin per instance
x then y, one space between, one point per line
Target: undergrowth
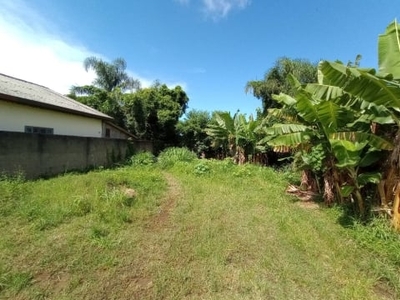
227 232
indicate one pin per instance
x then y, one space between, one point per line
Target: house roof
24 92
123 130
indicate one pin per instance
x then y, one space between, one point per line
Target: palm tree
110 76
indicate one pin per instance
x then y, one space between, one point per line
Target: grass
195 230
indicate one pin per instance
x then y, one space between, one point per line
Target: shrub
201 169
170 156
143 159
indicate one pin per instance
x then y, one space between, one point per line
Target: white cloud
217 9
31 52
221 8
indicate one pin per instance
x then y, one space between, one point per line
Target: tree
106 92
109 76
330 142
109 103
192 132
153 113
275 80
236 136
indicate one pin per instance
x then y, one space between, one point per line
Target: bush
201 169
171 156
143 159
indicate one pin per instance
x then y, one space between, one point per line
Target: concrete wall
39 155
14 117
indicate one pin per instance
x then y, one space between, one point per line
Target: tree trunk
396 208
329 196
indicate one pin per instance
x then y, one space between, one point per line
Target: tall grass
171 156
143 159
71 224
193 229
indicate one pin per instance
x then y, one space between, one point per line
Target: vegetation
236 136
341 128
276 80
197 229
110 76
150 113
192 133
153 113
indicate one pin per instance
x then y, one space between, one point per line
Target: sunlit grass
194 230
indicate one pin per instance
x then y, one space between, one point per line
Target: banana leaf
389 51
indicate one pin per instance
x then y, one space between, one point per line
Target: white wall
14 117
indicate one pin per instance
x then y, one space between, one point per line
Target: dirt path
161 219
157 230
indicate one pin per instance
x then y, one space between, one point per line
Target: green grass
195 230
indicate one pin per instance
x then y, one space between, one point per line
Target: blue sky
209 47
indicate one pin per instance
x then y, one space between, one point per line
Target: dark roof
123 130
24 92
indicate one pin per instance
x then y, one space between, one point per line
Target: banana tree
236 134
330 139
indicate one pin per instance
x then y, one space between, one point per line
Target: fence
39 155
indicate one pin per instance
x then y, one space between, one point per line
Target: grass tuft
170 156
143 159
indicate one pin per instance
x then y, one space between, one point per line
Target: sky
211 48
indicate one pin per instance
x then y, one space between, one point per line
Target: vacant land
202 230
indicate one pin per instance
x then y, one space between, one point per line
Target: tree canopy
276 80
109 76
150 113
153 113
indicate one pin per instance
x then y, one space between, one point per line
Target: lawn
195 230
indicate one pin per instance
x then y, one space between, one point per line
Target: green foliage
143 159
192 131
201 169
313 159
173 155
242 171
104 199
328 123
237 136
276 80
12 192
197 228
108 103
153 113
108 88
14 280
109 76
389 51
380 238
150 113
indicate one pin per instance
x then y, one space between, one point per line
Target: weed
201 169
170 156
12 192
143 159
15 281
242 171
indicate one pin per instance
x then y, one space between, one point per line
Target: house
43 133
32 108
